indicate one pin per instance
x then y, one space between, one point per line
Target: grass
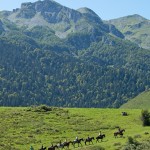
141 101
22 127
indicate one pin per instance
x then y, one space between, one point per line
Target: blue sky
106 9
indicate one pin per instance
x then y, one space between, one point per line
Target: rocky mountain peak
90 14
85 10
59 18
51 11
40 5
1 23
137 17
28 10
1 27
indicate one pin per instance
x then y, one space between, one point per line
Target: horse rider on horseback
31 148
76 138
99 134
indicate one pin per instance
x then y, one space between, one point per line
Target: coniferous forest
88 63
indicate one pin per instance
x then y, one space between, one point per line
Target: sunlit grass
22 127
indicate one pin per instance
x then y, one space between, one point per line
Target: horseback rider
31 148
76 138
99 133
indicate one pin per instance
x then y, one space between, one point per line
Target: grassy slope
139 26
20 128
142 101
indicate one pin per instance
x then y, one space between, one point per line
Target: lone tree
145 117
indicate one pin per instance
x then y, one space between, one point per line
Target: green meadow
21 127
142 101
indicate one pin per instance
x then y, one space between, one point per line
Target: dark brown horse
89 139
101 136
119 132
42 148
66 144
77 141
53 147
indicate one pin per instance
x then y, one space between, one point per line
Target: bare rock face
27 11
60 19
50 10
1 27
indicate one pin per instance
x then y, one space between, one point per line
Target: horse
77 141
42 148
52 147
120 132
101 136
66 144
60 145
89 139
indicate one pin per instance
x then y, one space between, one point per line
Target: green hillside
53 55
135 28
142 101
58 75
22 127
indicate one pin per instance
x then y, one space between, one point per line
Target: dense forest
84 69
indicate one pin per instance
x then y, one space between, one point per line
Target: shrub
132 141
145 117
40 108
141 146
131 144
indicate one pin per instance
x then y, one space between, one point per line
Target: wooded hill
86 64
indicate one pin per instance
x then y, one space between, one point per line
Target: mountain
135 28
59 18
54 55
142 101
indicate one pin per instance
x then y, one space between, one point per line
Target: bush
40 108
145 117
131 144
132 141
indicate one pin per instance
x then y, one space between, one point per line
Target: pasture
142 101
22 127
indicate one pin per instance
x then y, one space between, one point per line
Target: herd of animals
78 141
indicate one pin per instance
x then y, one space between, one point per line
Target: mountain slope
134 28
59 18
93 66
142 101
31 74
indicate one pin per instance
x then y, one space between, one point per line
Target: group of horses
74 142
79 141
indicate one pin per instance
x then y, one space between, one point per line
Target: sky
106 9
